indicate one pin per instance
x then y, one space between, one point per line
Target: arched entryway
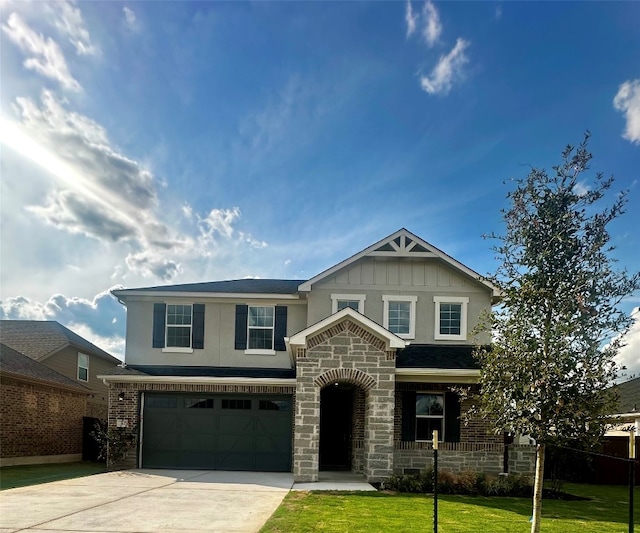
341 427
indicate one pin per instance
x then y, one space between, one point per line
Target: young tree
548 371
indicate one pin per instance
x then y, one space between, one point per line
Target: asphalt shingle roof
14 362
39 338
213 371
431 356
628 396
243 286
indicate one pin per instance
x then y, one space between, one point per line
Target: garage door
217 432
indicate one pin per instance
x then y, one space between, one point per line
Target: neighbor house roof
229 287
19 365
628 396
39 339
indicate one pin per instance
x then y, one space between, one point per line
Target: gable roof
391 339
19 365
222 288
628 396
38 339
402 243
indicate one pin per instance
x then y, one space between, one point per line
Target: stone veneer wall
127 412
349 354
415 457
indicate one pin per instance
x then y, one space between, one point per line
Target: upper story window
179 322
400 315
451 317
83 367
260 324
429 415
340 301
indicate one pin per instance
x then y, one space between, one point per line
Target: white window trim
335 298
261 351
464 300
177 349
79 367
444 411
412 313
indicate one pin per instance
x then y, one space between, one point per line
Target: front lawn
22 476
375 511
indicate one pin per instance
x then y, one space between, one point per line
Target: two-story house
352 369
57 347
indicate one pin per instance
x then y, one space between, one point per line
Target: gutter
201 380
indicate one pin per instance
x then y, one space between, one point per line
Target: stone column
306 442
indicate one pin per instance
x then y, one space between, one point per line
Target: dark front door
336 419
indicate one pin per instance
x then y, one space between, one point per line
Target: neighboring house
41 412
628 412
66 352
350 370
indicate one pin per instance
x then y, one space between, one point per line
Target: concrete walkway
142 501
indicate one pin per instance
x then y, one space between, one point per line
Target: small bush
466 483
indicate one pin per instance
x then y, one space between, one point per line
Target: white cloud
629 355
100 319
411 19
67 18
432 26
581 188
46 58
498 13
130 19
627 100
447 71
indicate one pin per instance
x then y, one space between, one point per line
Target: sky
148 143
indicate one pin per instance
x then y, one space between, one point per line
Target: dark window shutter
197 333
242 312
159 315
280 329
452 417
409 416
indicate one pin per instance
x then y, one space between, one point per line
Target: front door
336 419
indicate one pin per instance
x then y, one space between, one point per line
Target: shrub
466 482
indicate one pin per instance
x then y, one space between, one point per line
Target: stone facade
415 457
346 353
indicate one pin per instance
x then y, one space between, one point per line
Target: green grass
23 476
373 512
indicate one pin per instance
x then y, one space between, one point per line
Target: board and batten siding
425 278
219 335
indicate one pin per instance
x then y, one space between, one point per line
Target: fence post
435 481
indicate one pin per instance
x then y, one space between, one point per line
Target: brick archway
346 375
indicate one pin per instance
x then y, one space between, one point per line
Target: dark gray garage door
217 432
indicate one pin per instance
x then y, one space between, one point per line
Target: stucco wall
219 336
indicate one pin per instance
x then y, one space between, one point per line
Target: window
274 405
429 416
260 323
340 301
236 404
179 326
198 403
83 367
166 402
400 315
451 317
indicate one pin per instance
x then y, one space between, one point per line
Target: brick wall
38 420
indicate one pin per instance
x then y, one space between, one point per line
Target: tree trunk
537 489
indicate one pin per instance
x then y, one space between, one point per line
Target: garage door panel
224 432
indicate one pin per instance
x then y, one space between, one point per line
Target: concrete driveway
140 501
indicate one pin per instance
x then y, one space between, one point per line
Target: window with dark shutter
159 315
242 312
280 329
452 417
197 342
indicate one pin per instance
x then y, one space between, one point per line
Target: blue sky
166 142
